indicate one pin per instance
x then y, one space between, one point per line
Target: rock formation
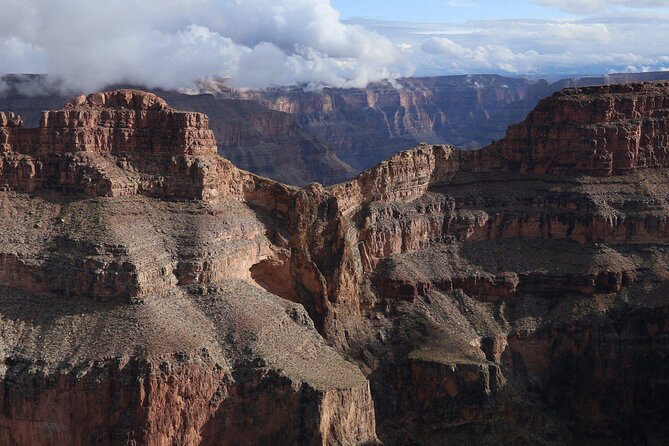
594 131
153 293
516 292
365 126
297 135
129 313
267 142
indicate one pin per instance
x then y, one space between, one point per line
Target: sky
88 44
444 11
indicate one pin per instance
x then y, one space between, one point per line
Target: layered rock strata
509 287
130 314
365 126
512 295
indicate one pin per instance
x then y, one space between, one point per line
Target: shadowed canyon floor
152 293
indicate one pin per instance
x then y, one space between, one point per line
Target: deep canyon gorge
153 293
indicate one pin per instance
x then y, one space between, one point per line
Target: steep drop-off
517 294
152 293
266 142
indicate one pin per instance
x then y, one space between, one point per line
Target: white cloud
592 45
171 43
256 43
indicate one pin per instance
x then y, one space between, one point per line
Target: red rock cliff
520 279
591 131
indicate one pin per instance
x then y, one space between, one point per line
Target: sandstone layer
152 293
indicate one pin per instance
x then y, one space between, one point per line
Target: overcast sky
256 43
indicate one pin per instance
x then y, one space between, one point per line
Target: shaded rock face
499 296
266 142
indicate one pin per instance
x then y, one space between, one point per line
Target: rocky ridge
300 135
512 295
267 142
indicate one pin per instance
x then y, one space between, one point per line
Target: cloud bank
172 43
613 41
86 45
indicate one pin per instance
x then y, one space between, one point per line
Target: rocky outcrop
521 261
122 122
113 144
130 311
594 131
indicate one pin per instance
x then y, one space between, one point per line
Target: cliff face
266 142
366 126
255 138
516 293
593 131
152 293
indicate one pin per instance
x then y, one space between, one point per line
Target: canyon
368 125
299 135
153 293
264 141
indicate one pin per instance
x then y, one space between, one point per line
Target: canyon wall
266 142
510 295
513 287
366 126
298 135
